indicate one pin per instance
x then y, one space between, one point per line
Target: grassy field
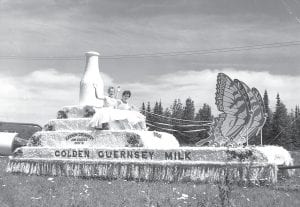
17 190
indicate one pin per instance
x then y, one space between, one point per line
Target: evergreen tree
148 114
177 113
188 113
296 128
280 131
148 107
189 110
167 112
204 113
177 109
297 131
156 110
143 110
156 118
160 108
267 129
266 104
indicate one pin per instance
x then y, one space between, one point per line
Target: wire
166 117
210 51
174 130
184 125
41 58
165 129
163 54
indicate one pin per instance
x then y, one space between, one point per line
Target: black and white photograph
149 103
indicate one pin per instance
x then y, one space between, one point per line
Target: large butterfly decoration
257 116
235 105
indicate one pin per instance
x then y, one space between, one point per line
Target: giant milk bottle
91 78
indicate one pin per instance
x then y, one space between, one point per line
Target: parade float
71 146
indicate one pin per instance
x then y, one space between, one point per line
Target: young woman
110 100
119 117
134 119
123 103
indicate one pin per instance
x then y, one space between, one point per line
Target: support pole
247 136
261 139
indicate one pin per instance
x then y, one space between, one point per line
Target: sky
34 87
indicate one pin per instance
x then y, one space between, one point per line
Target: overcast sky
33 90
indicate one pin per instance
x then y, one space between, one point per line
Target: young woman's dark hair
126 92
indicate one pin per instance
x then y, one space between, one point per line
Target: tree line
281 127
189 126
180 119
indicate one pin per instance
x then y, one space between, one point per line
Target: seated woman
134 119
118 116
103 115
110 100
123 103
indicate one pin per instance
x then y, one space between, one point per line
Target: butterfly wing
256 115
244 90
260 118
232 102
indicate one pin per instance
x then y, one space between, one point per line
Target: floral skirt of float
184 164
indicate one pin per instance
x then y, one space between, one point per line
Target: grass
35 191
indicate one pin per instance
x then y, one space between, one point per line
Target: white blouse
123 106
110 102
